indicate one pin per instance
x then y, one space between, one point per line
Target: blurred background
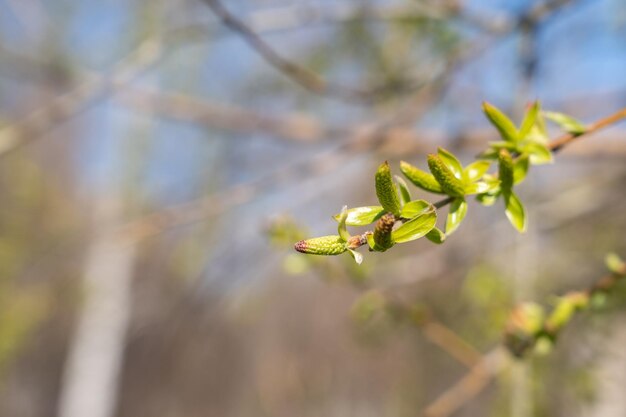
158 159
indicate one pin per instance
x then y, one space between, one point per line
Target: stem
560 142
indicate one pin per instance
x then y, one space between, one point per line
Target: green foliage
565 122
530 329
399 219
530 140
417 227
458 210
362 216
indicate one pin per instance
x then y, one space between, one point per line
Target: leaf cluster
399 218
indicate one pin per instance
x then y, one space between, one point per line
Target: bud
450 184
565 309
382 232
325 245
524 325
386 190
357 241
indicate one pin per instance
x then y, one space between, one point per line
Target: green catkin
420 178
386 190
382 232
325 245
450 184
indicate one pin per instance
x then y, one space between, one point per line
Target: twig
300 75
469 386
557 144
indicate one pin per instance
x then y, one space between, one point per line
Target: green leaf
341 228
491 153
615 264
515 211
505 126
403 190
487 199
520 169
458 210
505 170
538 152
503 145
451 162
386 190
415 228
478 188
419 178
450 184
361 216
529 120
565 309
567 123
415 208
474 171
436 236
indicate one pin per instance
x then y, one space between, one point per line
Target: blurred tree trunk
90 381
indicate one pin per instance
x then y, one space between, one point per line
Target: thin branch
469 385
557 144
297 73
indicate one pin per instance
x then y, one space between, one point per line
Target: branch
557 144
300 75
468 386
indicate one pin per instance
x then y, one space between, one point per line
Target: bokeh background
159 158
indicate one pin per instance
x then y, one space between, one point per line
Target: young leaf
415 228
565 122
436 236
477 188
565 309
515 211
524 324
529 120
415 208
451 162
538 152
520 169
403 190
450 184
505 126
419 178
341 228
487 199
458 210
474 171
386 190
615 264
361 216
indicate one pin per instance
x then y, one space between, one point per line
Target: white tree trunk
90 381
